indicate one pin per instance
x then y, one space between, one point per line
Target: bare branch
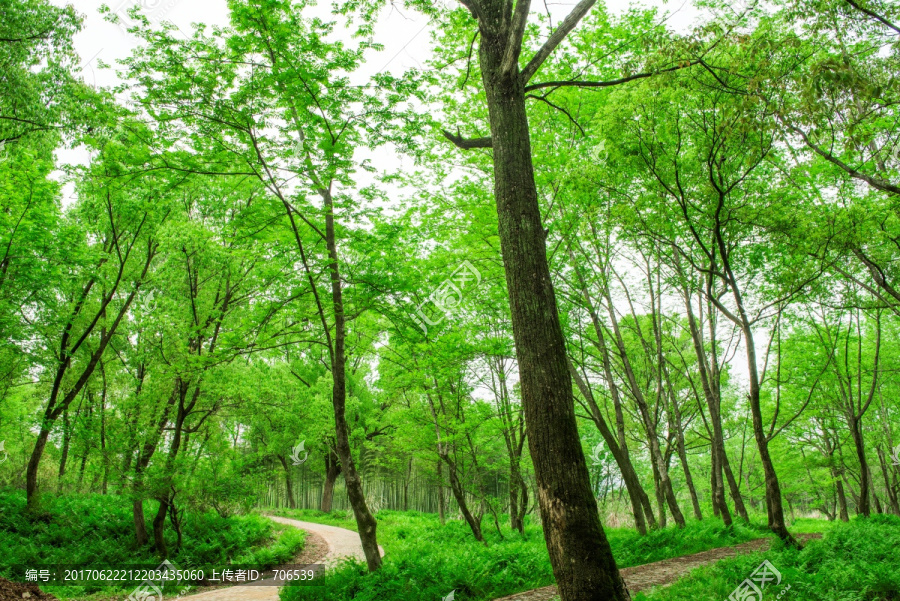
560 109
874 15
468 143
556 38
877 183
516 33
607 84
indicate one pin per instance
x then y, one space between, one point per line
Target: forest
583 297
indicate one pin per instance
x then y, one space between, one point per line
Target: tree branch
874 15
467 143
516 33
556 38
875 182
607 84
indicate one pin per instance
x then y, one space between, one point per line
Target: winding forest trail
665 572
326 545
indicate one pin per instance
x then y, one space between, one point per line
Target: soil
662 573
15 591
314 551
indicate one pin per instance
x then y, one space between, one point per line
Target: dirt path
662 573
326 545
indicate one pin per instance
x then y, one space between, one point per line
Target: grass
425 561
856 561
97 530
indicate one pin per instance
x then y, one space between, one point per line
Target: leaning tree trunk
774 505
864 506
677 426
665 491
459 494
365 521
636 493
733 486
708 380
580 554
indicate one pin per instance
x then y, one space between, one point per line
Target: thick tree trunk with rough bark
580 554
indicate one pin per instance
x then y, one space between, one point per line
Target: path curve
342 544
662 573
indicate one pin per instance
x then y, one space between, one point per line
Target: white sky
405 35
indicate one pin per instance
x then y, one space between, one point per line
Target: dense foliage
94 530
570 273
430 559
853 562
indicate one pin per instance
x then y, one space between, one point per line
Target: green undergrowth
425 561
98 531
856 561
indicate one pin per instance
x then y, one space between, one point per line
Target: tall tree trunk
140 523
626 468
67 435
146 453
523 504
406 482
332 471
441 502
682 451
288 482
104 456
456 488
863 506
661 470
365 521
708 375
842 497
733 488
580 554
640 504
460 496
515 488
166 495
774 505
